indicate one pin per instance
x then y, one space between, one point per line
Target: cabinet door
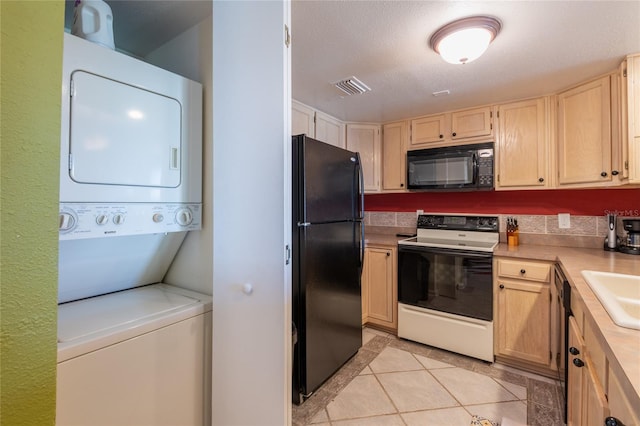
524 321
471 123
574 374
584 134
329 130
633 104
302 120
394 137
364 284
382 294
365 139
619 404
619 126
427 130
522 145
595 407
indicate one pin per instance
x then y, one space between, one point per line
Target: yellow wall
31 62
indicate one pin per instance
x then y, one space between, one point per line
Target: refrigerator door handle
361 249
360 187
361 212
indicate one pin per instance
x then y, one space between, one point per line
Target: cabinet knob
578 362
388 254
501 286
402 185
523 271
612 421
442 136
540 180
573 351
614 173
603 174
453 134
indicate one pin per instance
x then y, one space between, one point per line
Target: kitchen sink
619 294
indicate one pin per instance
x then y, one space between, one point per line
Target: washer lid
120 310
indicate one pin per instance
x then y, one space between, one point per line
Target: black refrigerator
327 255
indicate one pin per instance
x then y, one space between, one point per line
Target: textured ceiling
544 46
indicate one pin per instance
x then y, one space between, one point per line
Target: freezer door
330 296
326 182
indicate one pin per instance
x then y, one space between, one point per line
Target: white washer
135 357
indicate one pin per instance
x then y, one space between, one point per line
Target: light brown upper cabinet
428 130
584 135
522 151
471 123
452 128
633 113
330 130
365 139
316 124
302 120
394 152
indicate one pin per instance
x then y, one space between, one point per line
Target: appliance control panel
461 223
98 220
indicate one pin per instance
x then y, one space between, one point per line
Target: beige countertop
621 345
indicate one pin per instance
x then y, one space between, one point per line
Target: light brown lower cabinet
587 401
620 408
526 327
379 288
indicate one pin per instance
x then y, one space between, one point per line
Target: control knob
184 216
102 219
118 219
67 221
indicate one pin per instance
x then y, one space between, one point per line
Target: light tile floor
396 382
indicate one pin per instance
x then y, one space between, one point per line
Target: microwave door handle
475 168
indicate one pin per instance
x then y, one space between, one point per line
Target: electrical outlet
564 220
419 212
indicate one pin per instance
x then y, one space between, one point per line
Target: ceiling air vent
352 86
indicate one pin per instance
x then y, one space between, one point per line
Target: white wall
251 214
190 55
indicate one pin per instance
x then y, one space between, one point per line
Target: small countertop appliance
611 241
631 243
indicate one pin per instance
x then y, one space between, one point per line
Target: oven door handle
444 251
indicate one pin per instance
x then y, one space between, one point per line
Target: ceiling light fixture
464 40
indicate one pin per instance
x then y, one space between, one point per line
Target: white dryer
130 170
131 351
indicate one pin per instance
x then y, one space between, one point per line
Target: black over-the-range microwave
453 168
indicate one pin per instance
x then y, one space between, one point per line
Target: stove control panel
98 220
460 223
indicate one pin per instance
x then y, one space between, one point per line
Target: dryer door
123 135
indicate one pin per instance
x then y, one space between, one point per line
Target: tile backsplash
585 231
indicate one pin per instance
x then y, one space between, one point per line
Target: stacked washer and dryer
131 349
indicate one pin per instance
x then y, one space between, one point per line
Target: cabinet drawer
532 271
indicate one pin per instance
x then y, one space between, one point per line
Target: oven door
448 280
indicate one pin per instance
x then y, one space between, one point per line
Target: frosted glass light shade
465 40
